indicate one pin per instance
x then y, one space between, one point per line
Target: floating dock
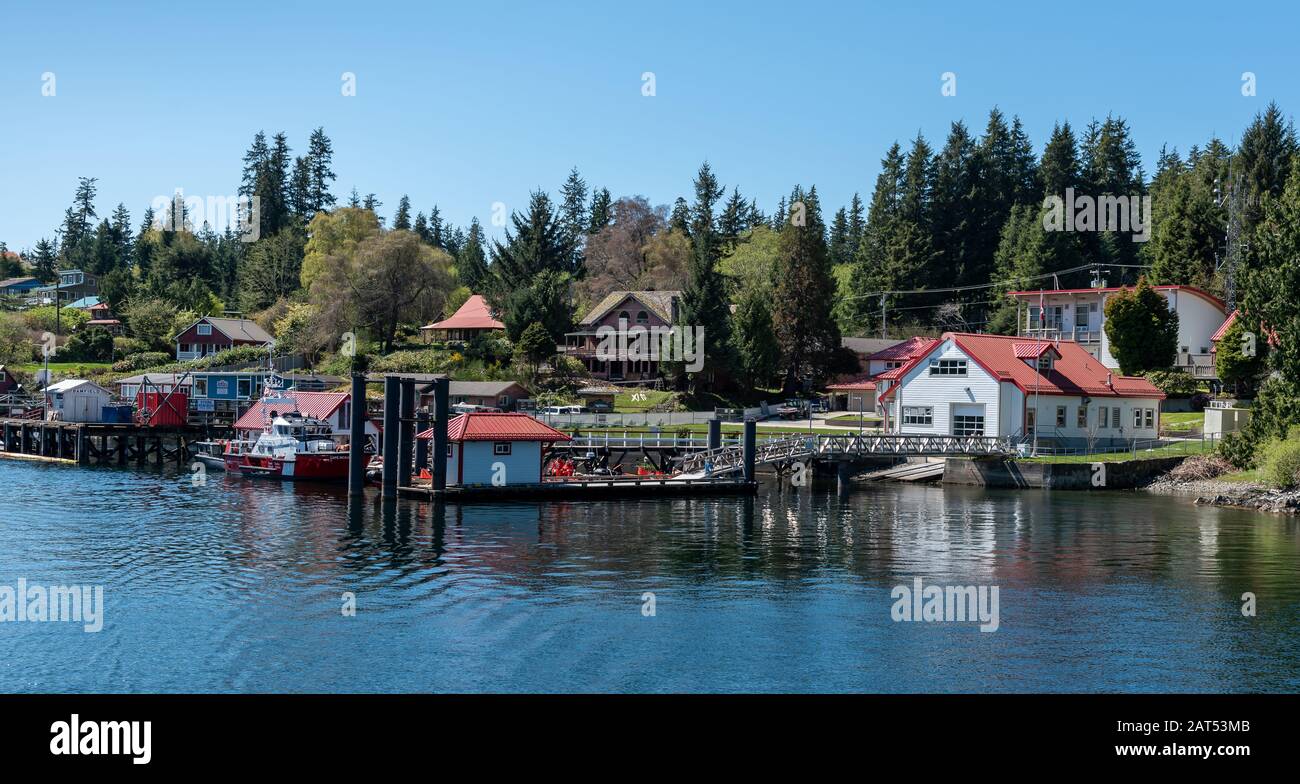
587 489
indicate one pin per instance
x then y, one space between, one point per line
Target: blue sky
468 104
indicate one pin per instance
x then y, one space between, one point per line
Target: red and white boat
293 446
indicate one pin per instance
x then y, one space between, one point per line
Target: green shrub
1238 449
88 345
125 347
1279 462
1174 383
44 319
142 360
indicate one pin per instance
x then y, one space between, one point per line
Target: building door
968 419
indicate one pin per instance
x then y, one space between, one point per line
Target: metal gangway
803 448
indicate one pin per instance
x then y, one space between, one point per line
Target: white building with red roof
996 385
859 392
1080 315
332 407
470 320
496 449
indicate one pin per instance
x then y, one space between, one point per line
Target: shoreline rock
1213 492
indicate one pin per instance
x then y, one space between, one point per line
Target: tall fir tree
806 332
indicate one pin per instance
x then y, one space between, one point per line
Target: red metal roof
1074 373
474 314
1030 350
492 426
1205 295
906 350
320 405
1223 328
853 386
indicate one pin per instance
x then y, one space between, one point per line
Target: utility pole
884 329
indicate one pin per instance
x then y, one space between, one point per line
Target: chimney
1110 382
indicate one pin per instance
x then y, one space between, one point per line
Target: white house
995 385
485 448
1080 315
76 400
860 392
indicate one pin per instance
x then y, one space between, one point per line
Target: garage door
967 420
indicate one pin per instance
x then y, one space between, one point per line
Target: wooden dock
587 489
87 443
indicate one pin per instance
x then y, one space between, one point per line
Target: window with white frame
947 367
918 415
1150 416
1045 362
1137 418
1081 419
1060 416
205 329
501 447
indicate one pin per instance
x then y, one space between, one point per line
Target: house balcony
1078 335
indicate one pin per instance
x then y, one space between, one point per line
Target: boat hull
303 467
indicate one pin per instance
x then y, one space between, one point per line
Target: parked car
561 410
600 407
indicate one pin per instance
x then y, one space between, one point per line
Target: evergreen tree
320 157
1142 329
471 262
421 228
402 218
600 215
573 214
44 261
840 250
300 189
704 300
733 220
680 218
1264 160
538 243
806 333
871 272
754 338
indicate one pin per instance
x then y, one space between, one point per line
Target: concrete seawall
997 472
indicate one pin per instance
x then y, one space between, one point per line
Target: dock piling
715 433
441 411
749 449
357 431
392 424
405 430
421 447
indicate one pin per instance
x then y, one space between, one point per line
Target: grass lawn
852 420
65 367
1170 450
639 401
1251 476
1182 422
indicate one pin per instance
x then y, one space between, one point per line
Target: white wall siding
1047 417
940 393
1011 404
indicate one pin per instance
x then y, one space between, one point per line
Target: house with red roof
1080 315
496 449
470 320
860 392
1017 387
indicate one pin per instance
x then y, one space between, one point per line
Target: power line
995 284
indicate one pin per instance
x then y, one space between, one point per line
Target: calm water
238 585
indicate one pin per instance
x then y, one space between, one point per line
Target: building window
1114 418
501 447
1205 350
245 389
503 402
450 450
1137 418
947 367
624 316
1060 416
890 365
1103 418
205 329
918 415
1082 418
642 317
963 425
201 387
1150 418
1045 363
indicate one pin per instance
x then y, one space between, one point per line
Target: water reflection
236 585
